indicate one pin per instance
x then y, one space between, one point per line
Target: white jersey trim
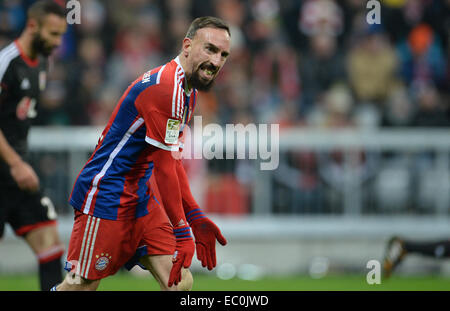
177 95
133 128
156 143
6 56
158 77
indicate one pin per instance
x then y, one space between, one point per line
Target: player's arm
205 231
22 172
165 172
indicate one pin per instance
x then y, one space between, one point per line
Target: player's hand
184 251
206 233
24 176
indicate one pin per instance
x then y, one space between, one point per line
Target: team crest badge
102 261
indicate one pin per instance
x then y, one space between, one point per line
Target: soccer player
397 248
118 217
23 66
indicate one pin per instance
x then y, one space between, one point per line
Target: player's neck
182 59
25 42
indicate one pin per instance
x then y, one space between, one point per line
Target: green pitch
126 282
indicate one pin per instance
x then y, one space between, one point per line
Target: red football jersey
153 110
166 107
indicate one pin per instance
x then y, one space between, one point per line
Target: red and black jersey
21 81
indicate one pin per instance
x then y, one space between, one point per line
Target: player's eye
211 48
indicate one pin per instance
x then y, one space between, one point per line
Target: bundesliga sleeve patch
172 131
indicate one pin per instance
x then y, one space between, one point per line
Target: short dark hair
42 8
206 21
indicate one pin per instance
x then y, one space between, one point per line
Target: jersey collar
177 60
30 62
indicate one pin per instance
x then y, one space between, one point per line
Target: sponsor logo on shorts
102 262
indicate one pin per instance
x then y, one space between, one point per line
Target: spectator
372 66
320 68
118 39
321 17
421 57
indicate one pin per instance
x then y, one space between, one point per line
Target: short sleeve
5 80
162 131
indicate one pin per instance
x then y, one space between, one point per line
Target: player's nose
215 60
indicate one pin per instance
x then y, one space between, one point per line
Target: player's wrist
14 161
182 233
195 215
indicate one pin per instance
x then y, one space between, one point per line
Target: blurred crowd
310 63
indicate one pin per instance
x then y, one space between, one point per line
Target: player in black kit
22 77
398 249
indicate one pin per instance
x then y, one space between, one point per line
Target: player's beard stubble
196 81
40 46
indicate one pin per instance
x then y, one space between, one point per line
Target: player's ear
33 25
187 46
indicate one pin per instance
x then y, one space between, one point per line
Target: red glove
205 233
184 251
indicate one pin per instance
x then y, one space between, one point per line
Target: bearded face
203 77
41 46
206 54
48 34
